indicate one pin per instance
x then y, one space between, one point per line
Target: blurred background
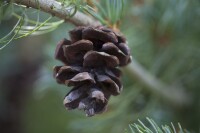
164 37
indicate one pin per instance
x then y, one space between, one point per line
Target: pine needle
142 128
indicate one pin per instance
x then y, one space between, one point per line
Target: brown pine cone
90 59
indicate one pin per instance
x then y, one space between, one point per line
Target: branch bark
57 9
171 94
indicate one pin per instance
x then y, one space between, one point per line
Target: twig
171 94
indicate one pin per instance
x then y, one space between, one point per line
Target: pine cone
91 59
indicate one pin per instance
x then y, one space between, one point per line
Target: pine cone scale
112 49
96 59
108 84
92 33
73 98
76 34
62 73
59 54
80 78
74 53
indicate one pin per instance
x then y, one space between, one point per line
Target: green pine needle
25 27
90 10
142 128
109 11
20 21
21 30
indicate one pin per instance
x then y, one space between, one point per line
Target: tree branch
174 95
57 9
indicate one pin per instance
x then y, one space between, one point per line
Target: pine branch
174 95
57 9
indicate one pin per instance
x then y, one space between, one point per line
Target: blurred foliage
6 10
164 38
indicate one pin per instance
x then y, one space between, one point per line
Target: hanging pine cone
91 59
